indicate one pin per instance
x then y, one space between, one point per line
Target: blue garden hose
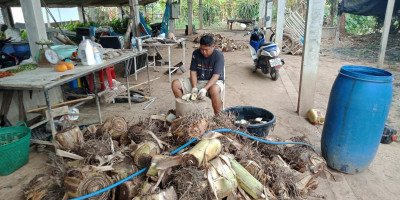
179 149
261 140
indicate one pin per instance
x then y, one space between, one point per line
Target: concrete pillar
280 21
269 13
136 18
385 32
261 13
190 28
201 14
7 16
171 23
92 14
309 66
120 12
81 13
34 23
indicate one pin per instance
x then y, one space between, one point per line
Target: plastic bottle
134 48
315 116
86 53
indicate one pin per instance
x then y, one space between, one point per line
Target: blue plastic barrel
358 106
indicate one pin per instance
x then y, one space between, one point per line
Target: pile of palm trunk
222 43
216 166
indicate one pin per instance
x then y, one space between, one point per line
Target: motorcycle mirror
267 18
268 27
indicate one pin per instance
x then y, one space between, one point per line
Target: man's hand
202 93
195 90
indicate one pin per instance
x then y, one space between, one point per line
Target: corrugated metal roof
75 3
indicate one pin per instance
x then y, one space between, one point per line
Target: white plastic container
86 53
98 53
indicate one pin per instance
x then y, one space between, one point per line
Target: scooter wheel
274 74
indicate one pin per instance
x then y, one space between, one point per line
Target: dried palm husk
221 178
142 156
189 127
123 168
303 181
167 194
163 162
222 43
201 153
135 133
280 178
115 126
255 169
191 183
246 181
223 120
85 180
43 186
129 189
69 139
93 131
94 147
302 158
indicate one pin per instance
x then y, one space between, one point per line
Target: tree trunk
333 12
343 24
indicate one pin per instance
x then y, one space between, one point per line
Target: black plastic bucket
250 112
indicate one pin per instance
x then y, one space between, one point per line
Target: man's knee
215 90
176 84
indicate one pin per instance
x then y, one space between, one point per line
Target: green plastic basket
15 153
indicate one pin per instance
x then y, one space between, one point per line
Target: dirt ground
243 87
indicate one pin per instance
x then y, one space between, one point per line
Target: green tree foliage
247 9
357 24
210 11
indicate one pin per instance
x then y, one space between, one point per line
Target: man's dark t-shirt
206 67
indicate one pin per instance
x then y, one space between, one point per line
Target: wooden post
80 13
333 10
120 12
343 24
7 16
48 19
136 19
280 21
269 13
309 67
171 23
190 28
201 14
92 14
385 32
261 14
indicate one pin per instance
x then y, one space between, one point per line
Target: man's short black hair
207 40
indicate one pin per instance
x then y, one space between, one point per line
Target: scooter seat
266 44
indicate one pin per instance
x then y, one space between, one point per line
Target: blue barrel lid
366 73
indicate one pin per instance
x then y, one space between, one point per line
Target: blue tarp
366 7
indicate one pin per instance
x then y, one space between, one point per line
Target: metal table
47 78
169 45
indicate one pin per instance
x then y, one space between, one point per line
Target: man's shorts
187 85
